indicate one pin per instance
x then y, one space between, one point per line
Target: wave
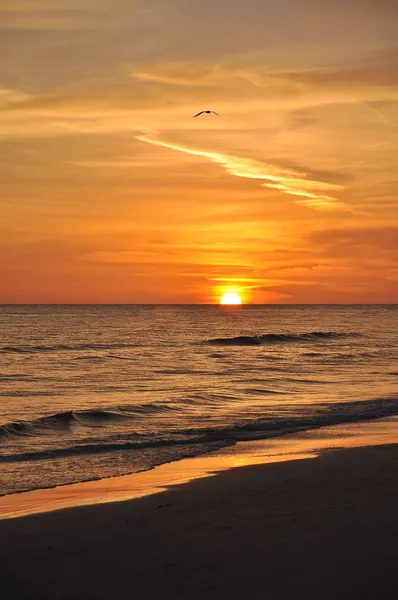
242 340
22 377
326 416
66 419
26 394
272 338
338 356
63 348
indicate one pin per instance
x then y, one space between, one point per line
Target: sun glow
231 298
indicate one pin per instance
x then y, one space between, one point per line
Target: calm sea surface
94 391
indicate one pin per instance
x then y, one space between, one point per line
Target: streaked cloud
184 74
10 97
285 180
379 69
46 15
376 242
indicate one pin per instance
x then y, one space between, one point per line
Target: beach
320 527
188 452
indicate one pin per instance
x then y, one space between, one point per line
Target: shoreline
308 529
307 444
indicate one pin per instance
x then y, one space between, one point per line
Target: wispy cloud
377 70
199 74
289 181
45 15
183 74
10 97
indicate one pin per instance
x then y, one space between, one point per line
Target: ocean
94 391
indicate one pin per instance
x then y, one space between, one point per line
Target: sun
231 298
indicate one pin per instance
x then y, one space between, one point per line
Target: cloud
11 97
285 180
224 74
183 73
45 15
358 242
164 94
379 69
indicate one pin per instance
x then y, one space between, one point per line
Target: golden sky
111 192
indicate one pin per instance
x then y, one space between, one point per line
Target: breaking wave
275 338
64 420
262 428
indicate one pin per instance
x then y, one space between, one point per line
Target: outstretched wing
214 113
199 113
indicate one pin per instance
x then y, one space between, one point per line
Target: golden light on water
231 298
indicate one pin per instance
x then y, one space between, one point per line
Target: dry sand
321 528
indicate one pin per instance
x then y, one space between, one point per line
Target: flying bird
206 112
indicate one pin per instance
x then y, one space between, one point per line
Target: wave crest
275 338
65 420
326 416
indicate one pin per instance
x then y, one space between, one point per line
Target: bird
206 112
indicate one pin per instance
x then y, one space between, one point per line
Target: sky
111 192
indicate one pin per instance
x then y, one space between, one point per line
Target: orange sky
111 192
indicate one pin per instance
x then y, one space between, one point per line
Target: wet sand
322 528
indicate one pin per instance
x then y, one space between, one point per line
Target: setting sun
231 298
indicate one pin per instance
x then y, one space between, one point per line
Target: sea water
95 391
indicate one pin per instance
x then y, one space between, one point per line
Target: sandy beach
322 527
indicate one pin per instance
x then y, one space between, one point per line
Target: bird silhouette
206 112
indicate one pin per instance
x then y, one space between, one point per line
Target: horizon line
198 304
